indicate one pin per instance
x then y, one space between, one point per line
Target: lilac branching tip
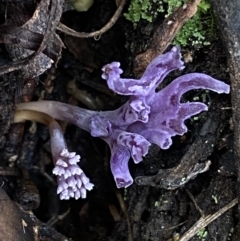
112 72
136 144
152 77
72 182
119 167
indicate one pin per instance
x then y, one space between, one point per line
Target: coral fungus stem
57 139
26 115
72 182
60 111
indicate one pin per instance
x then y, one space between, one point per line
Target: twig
63 28
124 210
195 203
60 217
16 65
205 221
164 35
54 17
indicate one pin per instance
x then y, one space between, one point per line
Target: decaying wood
17 224
38 33
10 221
164 35
228 16
33 46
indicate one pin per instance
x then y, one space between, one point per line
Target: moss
199 30
202 233
172 4
143 9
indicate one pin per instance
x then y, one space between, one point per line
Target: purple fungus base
147 117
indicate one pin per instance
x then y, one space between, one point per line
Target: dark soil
159 210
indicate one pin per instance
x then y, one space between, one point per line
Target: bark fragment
228 16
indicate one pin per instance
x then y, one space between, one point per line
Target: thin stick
205 221
195 203
63 28
124 209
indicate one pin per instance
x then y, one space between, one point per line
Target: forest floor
187 185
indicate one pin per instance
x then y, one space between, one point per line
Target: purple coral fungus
147 117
